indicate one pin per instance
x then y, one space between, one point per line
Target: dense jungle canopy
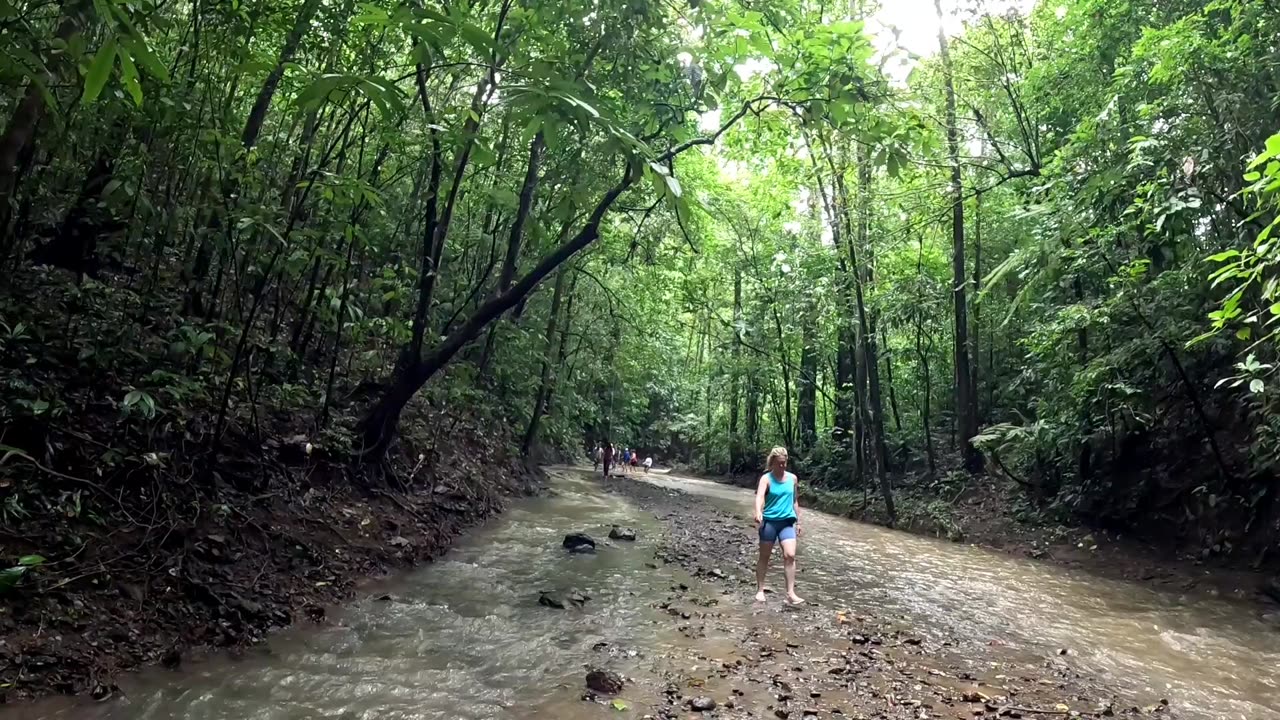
1030 243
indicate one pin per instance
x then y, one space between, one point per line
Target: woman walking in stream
778 520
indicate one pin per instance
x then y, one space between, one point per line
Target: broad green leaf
99 71
252 67
1219 257
143 55
129 75
320 89
9 578
477 38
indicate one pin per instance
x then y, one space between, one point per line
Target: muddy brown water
465 637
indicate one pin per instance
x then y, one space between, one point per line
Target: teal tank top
780 498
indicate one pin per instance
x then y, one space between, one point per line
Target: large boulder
622 533
579 543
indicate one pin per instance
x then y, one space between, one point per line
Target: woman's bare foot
795 599
760 596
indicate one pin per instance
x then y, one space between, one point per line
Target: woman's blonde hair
776 452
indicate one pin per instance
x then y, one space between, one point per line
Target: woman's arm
762 487
795 502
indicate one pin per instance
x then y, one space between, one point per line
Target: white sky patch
792 226
686 59
752 67
710 121
917 27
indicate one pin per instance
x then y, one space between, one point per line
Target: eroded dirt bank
175 572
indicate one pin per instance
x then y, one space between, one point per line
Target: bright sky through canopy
917 24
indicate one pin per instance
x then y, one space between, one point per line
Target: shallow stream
465 637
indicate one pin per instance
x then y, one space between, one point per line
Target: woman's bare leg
762 568
789 568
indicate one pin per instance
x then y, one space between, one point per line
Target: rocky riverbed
769 660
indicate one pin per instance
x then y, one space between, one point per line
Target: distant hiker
648 463
635 459
626 458
778 520
608 457
597 456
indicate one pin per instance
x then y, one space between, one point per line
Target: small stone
702 704
622 533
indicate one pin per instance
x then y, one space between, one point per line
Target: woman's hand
759 519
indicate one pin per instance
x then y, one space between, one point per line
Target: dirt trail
774 661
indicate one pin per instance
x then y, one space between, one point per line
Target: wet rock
1272 589
548 600
171 659
579 543
702 704
605 682
622 533
398 542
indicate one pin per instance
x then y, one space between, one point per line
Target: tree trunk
975 339
866 323
888 376
261 104
18 142
377 428
966 412
735 385
926 392
784 363
808 382
548 348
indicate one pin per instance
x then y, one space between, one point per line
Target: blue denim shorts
772 531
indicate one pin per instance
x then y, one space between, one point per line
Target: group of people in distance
777 511
628 459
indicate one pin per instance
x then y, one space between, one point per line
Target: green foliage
272 217
11 576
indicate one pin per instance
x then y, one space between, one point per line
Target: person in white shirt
648 463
